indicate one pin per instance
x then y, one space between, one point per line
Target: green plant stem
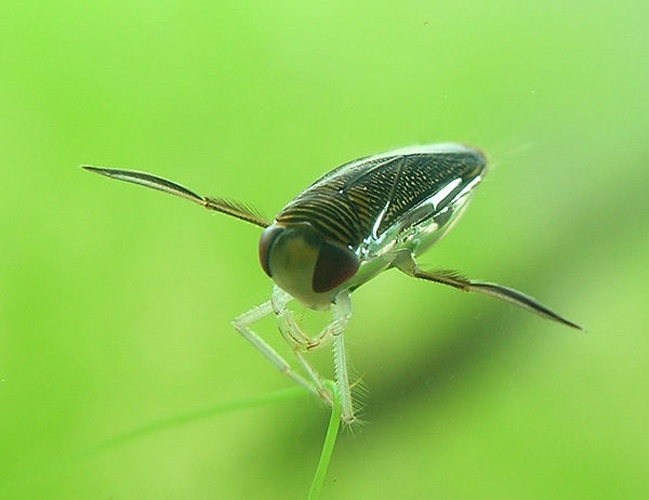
146 430
328 445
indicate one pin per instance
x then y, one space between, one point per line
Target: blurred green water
115 303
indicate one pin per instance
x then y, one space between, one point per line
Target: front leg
341 311
242 325
289 327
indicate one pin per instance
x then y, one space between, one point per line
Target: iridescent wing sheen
366 197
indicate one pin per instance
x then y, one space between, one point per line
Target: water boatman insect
360 219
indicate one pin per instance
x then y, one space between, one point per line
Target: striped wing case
364 198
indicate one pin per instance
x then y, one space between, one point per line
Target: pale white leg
242 325
289 328
342 313
298 341
293 335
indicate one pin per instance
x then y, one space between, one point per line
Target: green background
116 302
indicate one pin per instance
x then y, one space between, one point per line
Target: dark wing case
346 203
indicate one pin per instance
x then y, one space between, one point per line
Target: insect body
358 220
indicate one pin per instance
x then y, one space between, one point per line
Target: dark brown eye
266 241
335 265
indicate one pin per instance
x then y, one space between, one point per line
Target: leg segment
242 325
342 312
300 342
405 262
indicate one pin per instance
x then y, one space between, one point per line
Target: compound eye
268 238
335 265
